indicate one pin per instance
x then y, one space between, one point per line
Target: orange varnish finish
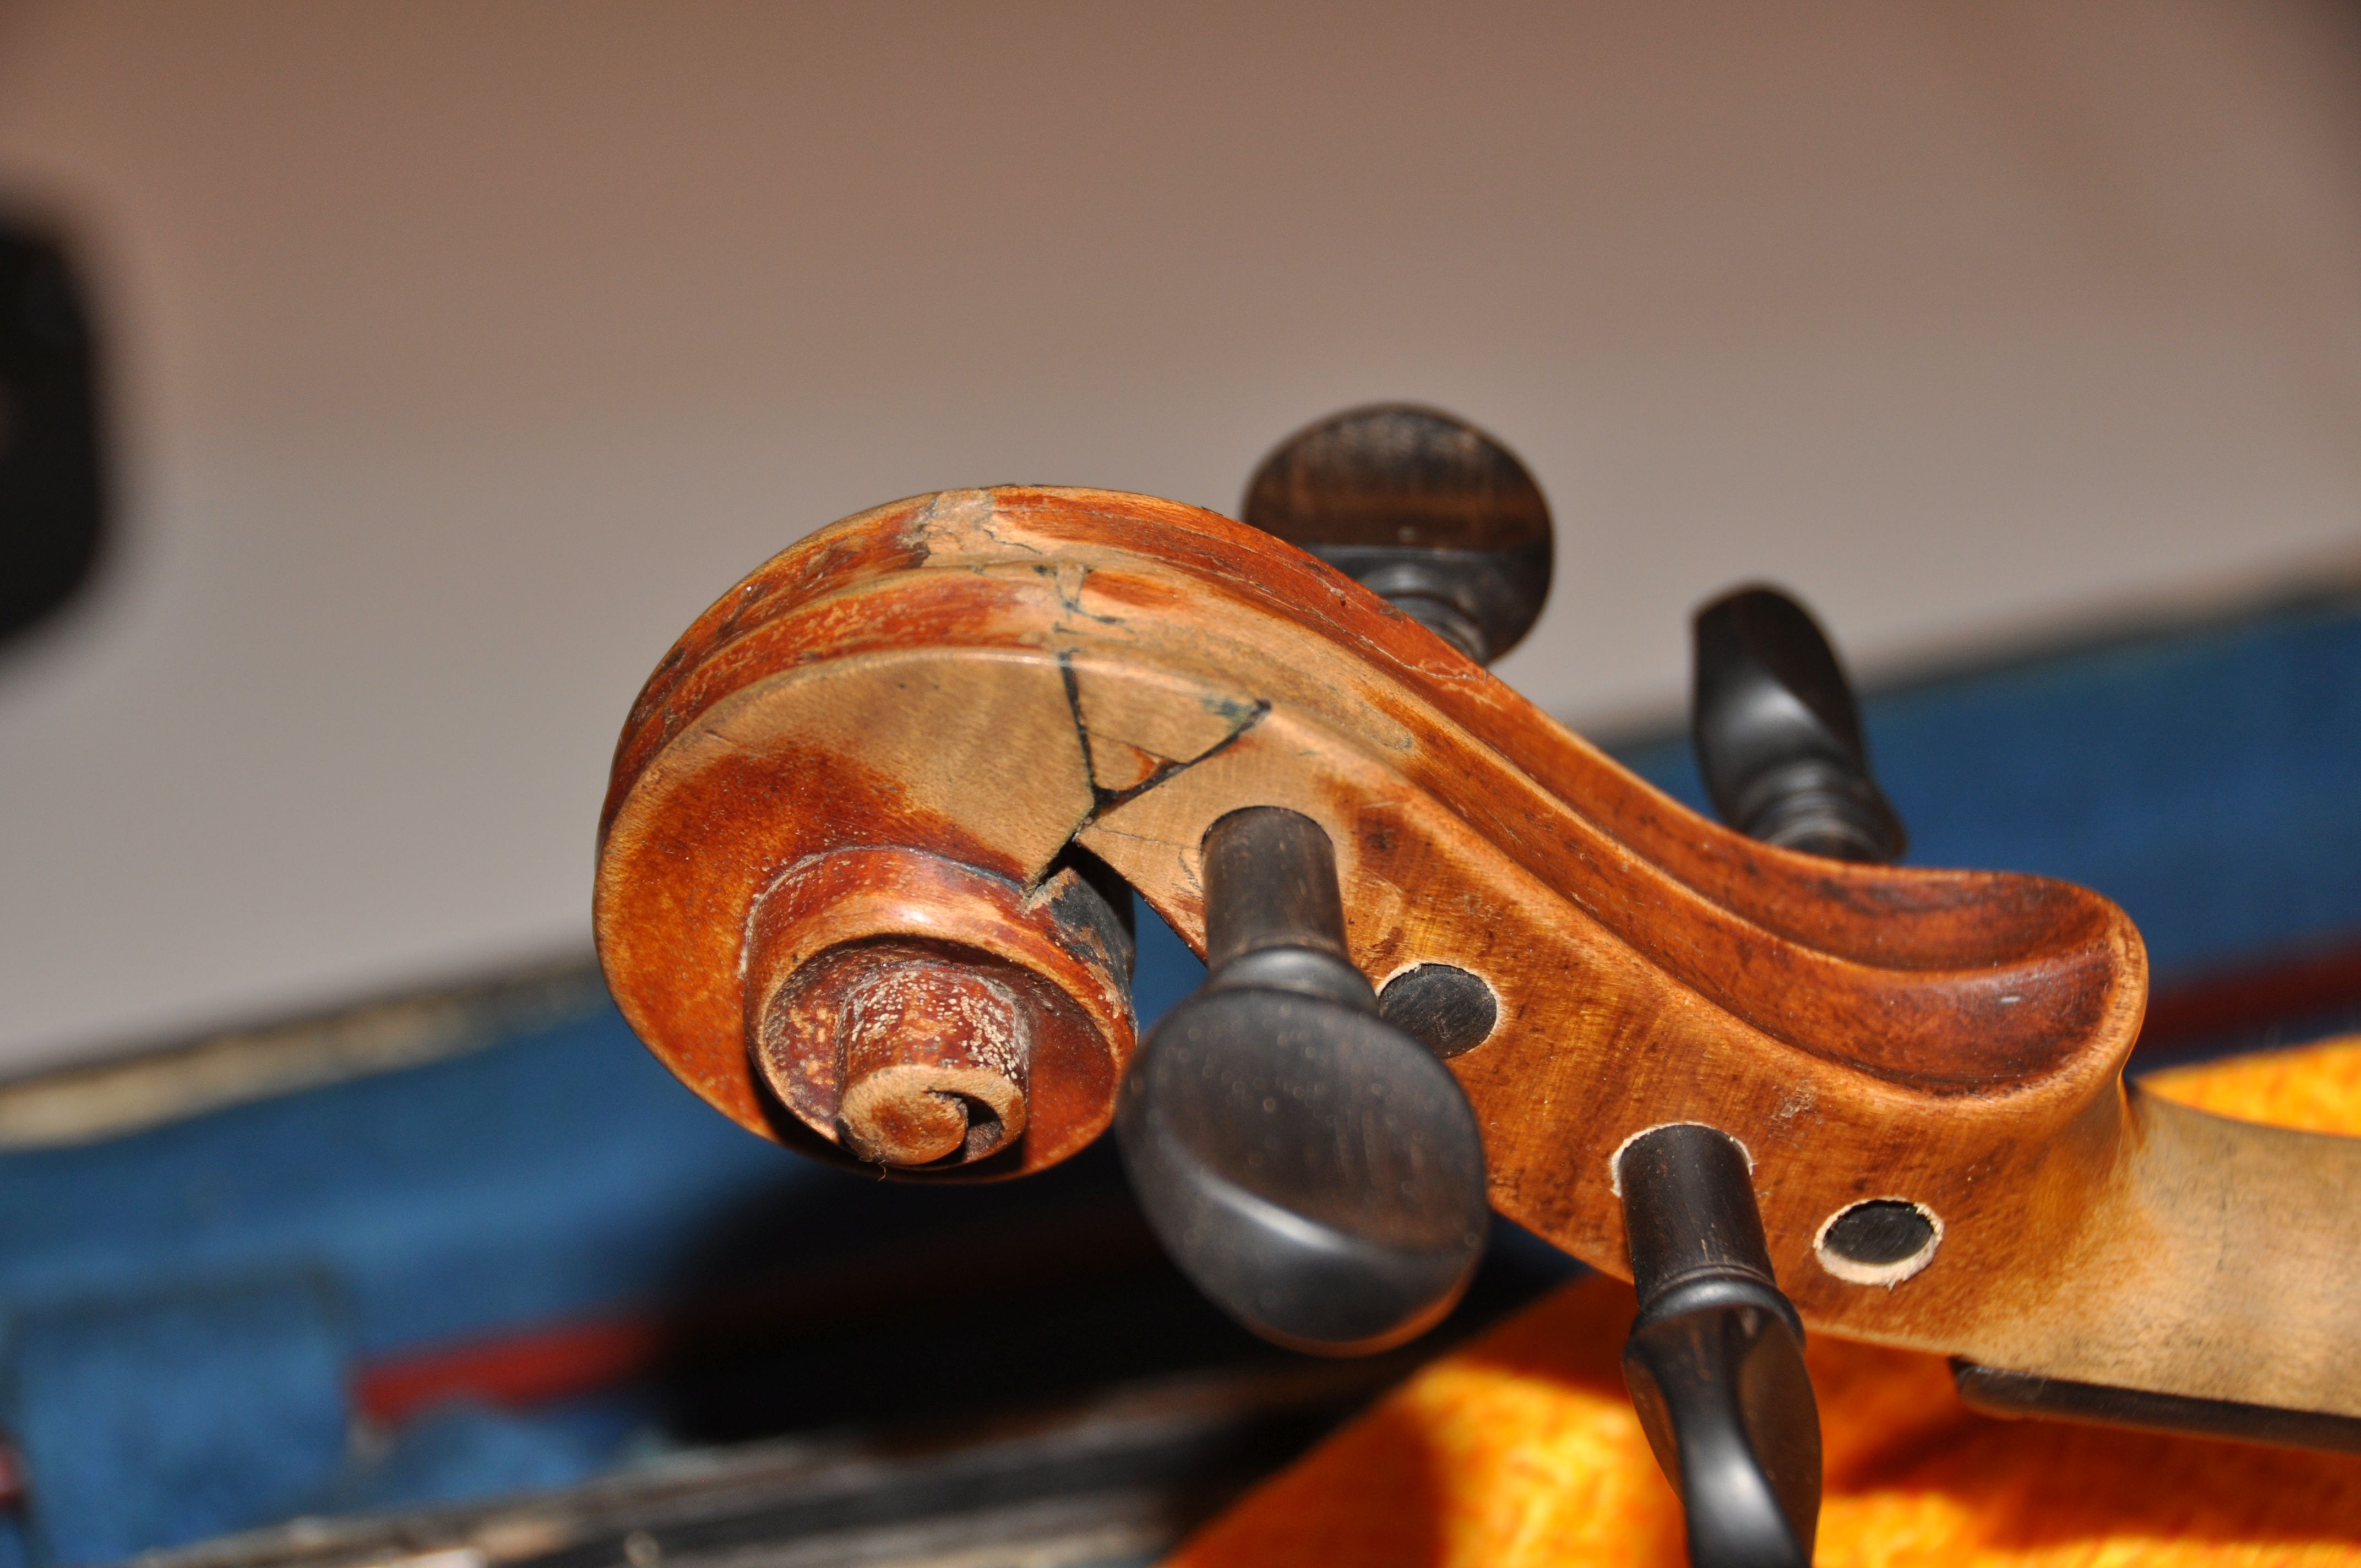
1522 1451
978 679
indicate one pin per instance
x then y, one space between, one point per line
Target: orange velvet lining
1521 1450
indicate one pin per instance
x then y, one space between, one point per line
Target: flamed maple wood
986 676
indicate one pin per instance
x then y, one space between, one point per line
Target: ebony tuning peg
1715 1361
1309 1167
1424 509
1778 734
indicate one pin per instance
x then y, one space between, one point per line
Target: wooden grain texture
1951 1038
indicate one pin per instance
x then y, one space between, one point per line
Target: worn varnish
961 685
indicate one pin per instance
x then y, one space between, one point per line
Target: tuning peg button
1311 1168
1424 509
1778 733
1715 1361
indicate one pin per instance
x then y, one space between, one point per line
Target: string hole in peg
1447 1009
1314 1169
1879 1240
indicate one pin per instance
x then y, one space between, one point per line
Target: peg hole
1880 1240
1447 1009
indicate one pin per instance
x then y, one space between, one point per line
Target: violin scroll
861 782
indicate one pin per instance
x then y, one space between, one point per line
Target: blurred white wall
462 353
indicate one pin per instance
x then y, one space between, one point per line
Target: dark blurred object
1421 508
1113 1480
53 491
1778 734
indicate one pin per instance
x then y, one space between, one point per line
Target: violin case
468 1277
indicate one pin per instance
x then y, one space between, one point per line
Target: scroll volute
907 1011
835 896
